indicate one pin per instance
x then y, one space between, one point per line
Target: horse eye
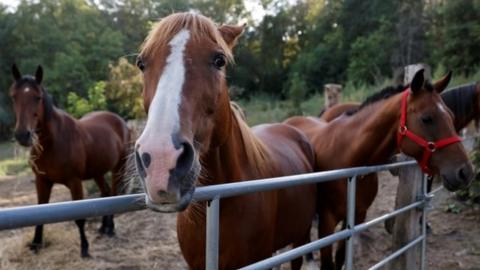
219 61
140 64
427 119
37 99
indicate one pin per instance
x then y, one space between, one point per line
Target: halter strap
428 146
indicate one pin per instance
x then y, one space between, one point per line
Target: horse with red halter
463 101
66 150
413 120
194 137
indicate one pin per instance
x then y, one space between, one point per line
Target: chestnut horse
463 101
66 150
373 137
194 137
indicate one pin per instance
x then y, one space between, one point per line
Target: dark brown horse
372 136
464 102
194 137
66 150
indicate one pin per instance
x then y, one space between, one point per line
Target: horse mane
385 93
460 100
198 25
255 150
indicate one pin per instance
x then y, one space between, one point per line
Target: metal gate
17 217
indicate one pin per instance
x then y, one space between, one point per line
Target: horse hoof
86 255
110 232
35 247
102 230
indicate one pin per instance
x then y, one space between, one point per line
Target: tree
123 90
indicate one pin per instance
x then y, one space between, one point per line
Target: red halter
429 147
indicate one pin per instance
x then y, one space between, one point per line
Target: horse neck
374 134
229 161
48 129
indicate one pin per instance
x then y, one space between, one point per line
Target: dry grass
144 241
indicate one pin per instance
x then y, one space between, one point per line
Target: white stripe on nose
163 118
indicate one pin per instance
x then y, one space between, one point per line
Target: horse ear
442 84
231 33
16 73
417 82
39 74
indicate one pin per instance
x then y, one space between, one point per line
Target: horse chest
58 166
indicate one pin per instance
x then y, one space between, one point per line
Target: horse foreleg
326 226
108 226
296 264
340 254
44 189
77 194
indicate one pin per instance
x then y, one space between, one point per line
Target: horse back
106 138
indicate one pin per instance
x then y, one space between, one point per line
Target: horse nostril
23 137
185 160
146 159
140 166
461 174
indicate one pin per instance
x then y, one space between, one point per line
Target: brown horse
464 102
66 150
373 137
194 137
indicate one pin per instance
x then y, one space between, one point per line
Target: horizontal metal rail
397 253
23 216
318 244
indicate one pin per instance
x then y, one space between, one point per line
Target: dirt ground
147 240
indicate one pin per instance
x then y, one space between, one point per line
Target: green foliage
292 52
96 100
123 90
296 92
460 32
368 63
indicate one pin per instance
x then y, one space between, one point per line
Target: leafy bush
79 106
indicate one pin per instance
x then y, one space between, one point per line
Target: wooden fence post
333 94
407 226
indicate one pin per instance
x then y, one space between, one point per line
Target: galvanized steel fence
17 217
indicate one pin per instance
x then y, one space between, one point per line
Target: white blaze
163 119
27 90
163 114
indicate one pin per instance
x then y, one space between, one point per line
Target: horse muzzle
458 178
169 187
24 138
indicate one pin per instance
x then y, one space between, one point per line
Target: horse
394 119
463 101
66 150
195 137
